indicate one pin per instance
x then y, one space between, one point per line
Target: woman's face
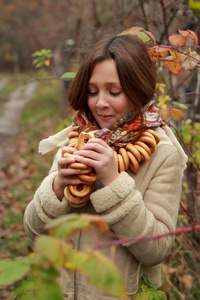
106 98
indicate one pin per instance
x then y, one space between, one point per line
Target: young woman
137 194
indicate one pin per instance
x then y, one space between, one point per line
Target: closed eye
115 93
92 93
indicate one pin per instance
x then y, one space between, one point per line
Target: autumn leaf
97 221
173 65
188 62
177 114
177 40
66 225
55 250
165 113
191 34
141 33
100 271
157 52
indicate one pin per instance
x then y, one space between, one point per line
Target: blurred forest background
69 28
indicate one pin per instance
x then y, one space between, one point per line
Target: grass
26 168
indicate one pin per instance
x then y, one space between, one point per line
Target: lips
105 116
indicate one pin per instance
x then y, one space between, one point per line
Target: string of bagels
128 157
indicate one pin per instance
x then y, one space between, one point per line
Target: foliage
54 252
150 291
43 58
173 58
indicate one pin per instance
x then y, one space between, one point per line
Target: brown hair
136 71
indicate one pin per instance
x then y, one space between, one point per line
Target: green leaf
68 224
100 271
141 296
49 290
68 75
159 295
24 287
151 295
149 282
145 287
53 249
197 126
13 270
27 297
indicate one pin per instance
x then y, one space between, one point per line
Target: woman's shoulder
170 143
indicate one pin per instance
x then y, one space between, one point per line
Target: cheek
91 105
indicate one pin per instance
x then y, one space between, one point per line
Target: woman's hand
98 155
65 174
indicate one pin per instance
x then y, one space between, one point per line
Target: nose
102 101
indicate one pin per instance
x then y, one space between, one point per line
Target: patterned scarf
124 130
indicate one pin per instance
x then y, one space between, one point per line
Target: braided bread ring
145 156
134 165
125 157
134 151
121 163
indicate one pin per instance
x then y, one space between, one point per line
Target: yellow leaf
174 66
188 121
47 62
177 114
165 113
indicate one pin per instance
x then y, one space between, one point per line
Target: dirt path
9 121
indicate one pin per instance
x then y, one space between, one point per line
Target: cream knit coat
134 205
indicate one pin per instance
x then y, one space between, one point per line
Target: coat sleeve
44 207
132 215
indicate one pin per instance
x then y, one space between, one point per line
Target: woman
113 93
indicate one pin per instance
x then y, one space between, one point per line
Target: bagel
125 157
75 201
116 159
89 178
145 156
73 134
80 190
134 165
83 138
155 135
149 141
144 146
75 165
121 163
130 147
